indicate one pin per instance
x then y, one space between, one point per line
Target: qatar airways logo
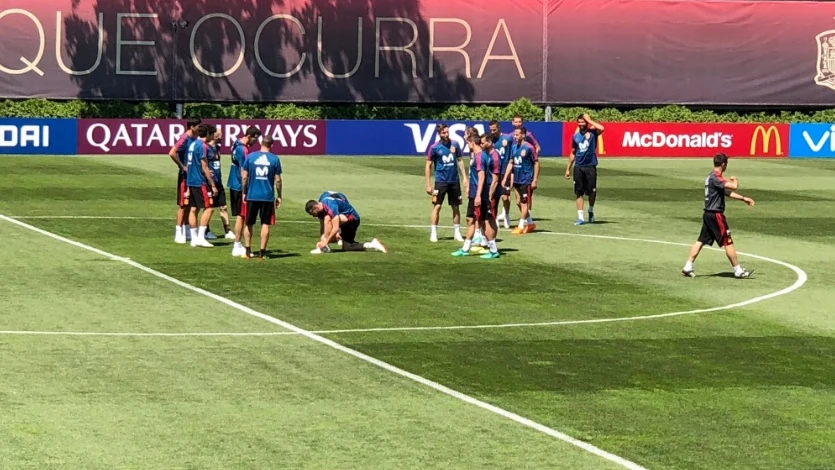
424 135
665 140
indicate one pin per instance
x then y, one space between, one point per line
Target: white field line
801 280
330 343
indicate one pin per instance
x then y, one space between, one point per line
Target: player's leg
437 200
205 218
237 209
591 190
471 225
707 236
267 216
727 243
529 225
180 228
196 203
506 208
253 211
522 196
579 192
224 216
491 230
455 202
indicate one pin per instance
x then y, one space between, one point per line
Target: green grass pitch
180 380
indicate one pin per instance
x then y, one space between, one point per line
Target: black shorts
255 210
444 189
348 231
236 202
524 192
219 199
181 189
715 229
585 180
199 198
486 211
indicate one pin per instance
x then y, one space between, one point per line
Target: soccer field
582 348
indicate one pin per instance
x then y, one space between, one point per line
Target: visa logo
423 137
24 136
816 145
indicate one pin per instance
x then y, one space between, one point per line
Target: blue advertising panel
415 137
38 136
812 141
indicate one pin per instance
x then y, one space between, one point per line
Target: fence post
548 114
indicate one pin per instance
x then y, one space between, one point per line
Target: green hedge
531 112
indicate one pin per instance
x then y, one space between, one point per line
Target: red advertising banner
741 52
157 136
687 140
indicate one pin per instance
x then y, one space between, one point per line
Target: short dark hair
203 130
441 126
486 136
193 122
583 117
267 141
518 116
523 130
212 129
253 132
310 206
720 159
493 122
473 137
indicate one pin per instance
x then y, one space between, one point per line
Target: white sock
193 232
688 266
502 214
434 230
580 215
457 228
522 223
238 245
467 244
738 269
477 233
493 247
178 231
201 233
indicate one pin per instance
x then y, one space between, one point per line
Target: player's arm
535 144
571 157
508 174
731 184
331 225
279 187
321 226
593 124
481 178
427 171
535 169
244 181
740 197
462 171
173 154
208 174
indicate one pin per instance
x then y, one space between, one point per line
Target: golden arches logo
764 136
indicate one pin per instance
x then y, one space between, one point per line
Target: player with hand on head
583 158
517 122
714 225
336 215
240 149
501 143
201 187
445 156
262 192
522 175
178 154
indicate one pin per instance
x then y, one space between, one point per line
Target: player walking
261 195
240 149
714 225
523 176
584 159
178 154
201 188
444 155
501 143
337 215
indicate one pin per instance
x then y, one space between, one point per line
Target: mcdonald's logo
601 150
765 135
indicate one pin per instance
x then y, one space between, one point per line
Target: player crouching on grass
262 188
714 225
337 216
483 194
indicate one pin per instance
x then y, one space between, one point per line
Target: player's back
332 195
261 168
714 193
196 155
340 206
239 153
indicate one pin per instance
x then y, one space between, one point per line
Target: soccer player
262 190
337 215
444 155
178 155
201 187
523 176
501 143
482 195
240 149
219 199
584 159
517 122
714 225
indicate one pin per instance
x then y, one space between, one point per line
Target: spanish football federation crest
826 59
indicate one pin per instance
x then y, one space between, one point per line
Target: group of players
499 164
255 192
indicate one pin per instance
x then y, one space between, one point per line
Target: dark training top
715 193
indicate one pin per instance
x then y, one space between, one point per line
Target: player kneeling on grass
714 225
337 215
262 189
201 188
483 192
